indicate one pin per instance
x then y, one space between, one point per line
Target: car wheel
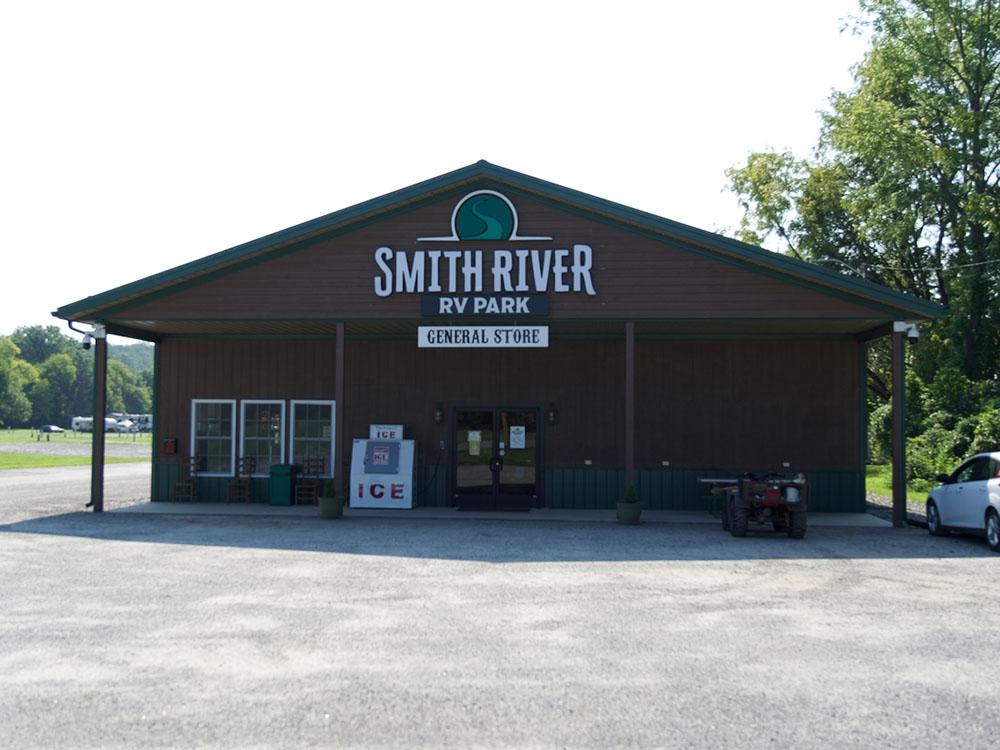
934 520
993 530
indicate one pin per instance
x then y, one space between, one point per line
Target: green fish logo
483 215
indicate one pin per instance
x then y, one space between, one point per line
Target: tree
126 390
53 394
903 187
38 343
137 356
16 379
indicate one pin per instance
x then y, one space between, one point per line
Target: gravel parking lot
125 630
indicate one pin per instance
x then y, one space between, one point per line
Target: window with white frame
263 433
213 431
312 433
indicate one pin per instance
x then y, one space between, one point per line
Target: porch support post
898 426
338 450
629 403
100 406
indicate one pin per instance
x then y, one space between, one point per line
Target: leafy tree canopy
903 185
46 377
16 379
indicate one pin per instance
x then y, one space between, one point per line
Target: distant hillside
136 357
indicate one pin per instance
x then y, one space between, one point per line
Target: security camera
910 329
86 340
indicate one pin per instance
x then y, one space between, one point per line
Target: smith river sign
504 281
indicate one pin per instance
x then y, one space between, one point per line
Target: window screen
312 433
263 429
212 436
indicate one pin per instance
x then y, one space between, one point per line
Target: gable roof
901 305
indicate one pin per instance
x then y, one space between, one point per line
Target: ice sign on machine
382 474
382 456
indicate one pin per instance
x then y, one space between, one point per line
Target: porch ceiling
765 328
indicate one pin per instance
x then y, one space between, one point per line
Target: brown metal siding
240 370
396 382
634 277
698 403
748 404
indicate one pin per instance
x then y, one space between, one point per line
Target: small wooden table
718 501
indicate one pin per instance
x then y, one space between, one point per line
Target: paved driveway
29 493
127 630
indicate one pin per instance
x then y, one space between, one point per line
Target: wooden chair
241 486
186 484
307 480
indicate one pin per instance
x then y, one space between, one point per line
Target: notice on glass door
475 441
517 432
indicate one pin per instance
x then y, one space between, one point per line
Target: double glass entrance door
496 458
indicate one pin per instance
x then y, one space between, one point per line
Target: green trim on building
585 488
408 337
154 449
862 405
482 173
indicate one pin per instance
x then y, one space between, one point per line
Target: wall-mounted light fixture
438 413
551 414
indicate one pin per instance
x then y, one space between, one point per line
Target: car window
981 469
964 472
994 468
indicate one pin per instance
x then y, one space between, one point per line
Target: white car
126 425
968 500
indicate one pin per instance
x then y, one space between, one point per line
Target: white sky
135 137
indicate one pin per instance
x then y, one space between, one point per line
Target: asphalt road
132 630
28 493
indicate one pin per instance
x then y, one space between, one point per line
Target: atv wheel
739 521
797 524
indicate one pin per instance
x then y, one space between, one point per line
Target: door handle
496 465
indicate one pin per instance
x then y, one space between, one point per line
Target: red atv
772 498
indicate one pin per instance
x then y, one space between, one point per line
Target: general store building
498 316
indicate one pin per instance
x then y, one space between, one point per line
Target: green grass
878 480
77 438
42 461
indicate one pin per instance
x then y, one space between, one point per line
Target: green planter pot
331 507
628 513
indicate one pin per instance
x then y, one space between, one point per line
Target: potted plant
331 505
629 509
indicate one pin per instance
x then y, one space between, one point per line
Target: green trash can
282 486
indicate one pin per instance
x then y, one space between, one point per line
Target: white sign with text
483 337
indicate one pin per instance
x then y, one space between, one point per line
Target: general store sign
503 281
483 337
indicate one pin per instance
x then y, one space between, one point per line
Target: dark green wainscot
585 488
679 489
